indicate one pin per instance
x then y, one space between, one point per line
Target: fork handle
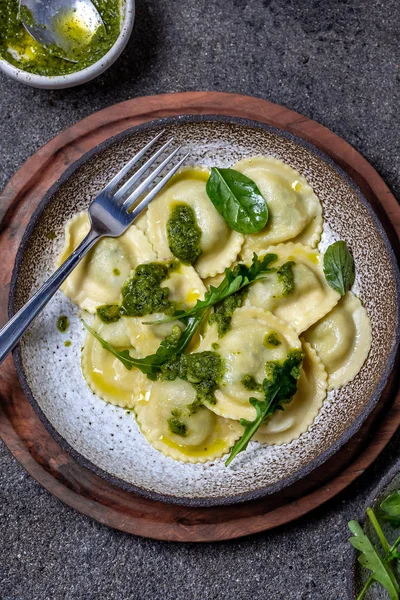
11 333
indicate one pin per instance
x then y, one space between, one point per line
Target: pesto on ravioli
196 326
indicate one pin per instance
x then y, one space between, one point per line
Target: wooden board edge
197 532
140 110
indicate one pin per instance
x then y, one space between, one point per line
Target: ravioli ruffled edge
223 436
138 381
363 340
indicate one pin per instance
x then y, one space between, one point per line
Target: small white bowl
73 79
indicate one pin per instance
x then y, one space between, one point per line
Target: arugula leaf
279 386
235 279
378 530
371 560
394 552
390 556
339 267
171 346
390 507
238 199
250 427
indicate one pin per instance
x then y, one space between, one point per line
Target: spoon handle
12 331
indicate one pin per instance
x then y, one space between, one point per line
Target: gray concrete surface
336 61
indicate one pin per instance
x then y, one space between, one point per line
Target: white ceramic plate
106 438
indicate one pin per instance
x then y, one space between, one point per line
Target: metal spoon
67 24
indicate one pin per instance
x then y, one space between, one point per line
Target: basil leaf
238 199
339 267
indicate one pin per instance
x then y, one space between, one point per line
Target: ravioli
167 423
287 425
245 352
219 244
295 212
99 276
310 299
185 288
104 373
342 340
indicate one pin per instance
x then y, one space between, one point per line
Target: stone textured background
336 61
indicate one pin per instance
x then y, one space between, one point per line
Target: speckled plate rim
312 465
371 500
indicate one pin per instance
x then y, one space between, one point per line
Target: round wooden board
78 487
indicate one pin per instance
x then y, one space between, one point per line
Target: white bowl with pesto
87 74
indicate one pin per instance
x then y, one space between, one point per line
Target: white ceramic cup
73 79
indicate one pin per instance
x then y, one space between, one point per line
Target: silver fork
110 216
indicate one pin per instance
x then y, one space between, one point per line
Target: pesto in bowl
19 48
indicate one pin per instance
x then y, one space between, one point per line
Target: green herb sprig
176 343
380 567
235 279
279 387
238 199
173 345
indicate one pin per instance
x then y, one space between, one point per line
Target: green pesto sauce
170 370
26 14
142 293
184 234
281 380
22 51
224 310
108 313
291 365
286 277
271 339
67 343
62 324
175 425
251 384
204 370
116 272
